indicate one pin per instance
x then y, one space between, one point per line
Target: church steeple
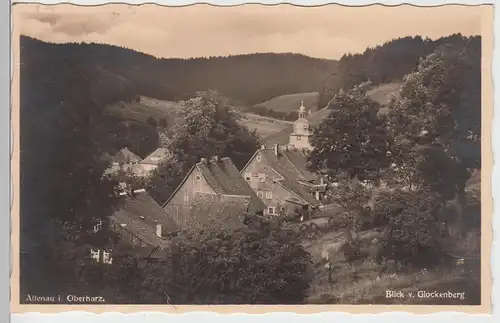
302 110
299 138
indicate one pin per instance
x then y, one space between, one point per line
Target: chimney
322 180
203 161
276 149
158 230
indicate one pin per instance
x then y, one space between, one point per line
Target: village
274 182
284 173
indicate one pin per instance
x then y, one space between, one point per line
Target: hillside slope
380 93
250 78
388 62
291 102
138 112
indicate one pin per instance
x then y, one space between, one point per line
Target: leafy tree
353 139
414 230
384 63
258 264
438 116
208 263
210 128
62 188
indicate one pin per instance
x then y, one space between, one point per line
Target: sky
204 30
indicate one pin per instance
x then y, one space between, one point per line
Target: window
269 195
260 194
197 184
262 178
94 254
248 177
305 126
298 137
259 158
271 210
98 225
106 257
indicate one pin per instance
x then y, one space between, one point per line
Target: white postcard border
272 317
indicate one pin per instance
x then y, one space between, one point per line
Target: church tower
299 138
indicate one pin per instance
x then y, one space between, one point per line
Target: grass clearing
291 102
264 126
365 281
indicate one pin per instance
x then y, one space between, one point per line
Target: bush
413 228
258 264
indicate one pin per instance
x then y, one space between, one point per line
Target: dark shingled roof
139 214
299 161
225 179
228 211
125 156
290 172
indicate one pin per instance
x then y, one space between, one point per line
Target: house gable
193 184
210 182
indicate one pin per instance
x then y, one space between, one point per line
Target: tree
438 115
414 230
208 263
210 128
353 139
63 191
257 264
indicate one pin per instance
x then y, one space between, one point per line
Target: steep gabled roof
290 173
299 161
125 156
225 179
139 214
228 210
155 158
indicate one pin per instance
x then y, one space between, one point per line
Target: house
142 224
280 178
211 185
279 174
124 160
151 162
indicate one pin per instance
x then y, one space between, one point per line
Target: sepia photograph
251 155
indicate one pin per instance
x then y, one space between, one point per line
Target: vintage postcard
252 158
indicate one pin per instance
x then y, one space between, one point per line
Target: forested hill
388 62
247 79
